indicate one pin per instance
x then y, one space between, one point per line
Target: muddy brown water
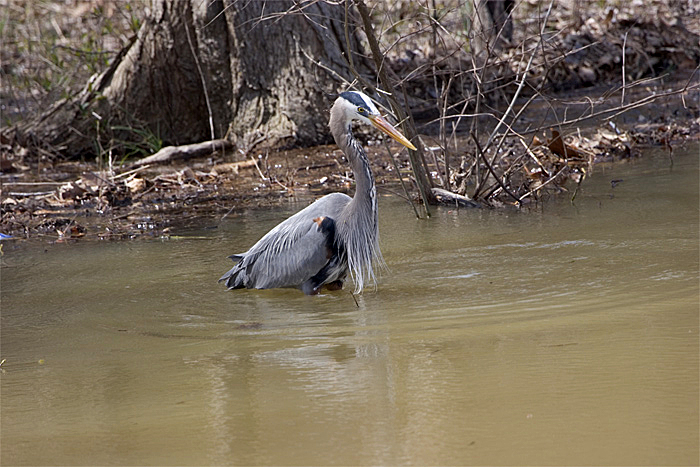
567 335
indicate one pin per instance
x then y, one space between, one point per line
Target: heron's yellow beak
382 125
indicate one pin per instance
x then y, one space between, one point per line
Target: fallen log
184 152
449 198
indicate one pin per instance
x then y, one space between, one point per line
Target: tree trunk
492 27
198 70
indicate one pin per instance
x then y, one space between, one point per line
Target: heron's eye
361 110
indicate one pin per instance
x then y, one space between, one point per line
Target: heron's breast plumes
359 234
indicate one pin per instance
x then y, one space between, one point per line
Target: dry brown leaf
557 145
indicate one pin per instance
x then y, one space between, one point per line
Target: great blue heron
319 245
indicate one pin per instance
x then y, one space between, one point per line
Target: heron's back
289 254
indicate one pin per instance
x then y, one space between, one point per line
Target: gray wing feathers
282 267
290 253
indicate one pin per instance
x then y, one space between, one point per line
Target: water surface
565 335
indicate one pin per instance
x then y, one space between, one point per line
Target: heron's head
357 106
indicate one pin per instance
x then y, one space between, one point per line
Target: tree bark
197 70
492 26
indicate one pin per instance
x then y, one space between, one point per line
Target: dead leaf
136 184
77 231
70 190
557 145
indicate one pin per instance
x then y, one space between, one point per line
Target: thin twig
539 187
533 157
616 111
493 172
348 47
265 179
403 185
32 183
417 161
204 83
522 80
129 172
624 78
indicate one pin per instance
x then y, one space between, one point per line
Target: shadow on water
568 334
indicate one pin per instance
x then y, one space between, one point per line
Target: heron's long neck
359 224
365 192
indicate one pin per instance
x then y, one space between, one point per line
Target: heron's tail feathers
233 277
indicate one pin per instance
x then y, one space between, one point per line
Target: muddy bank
61 200
65 200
